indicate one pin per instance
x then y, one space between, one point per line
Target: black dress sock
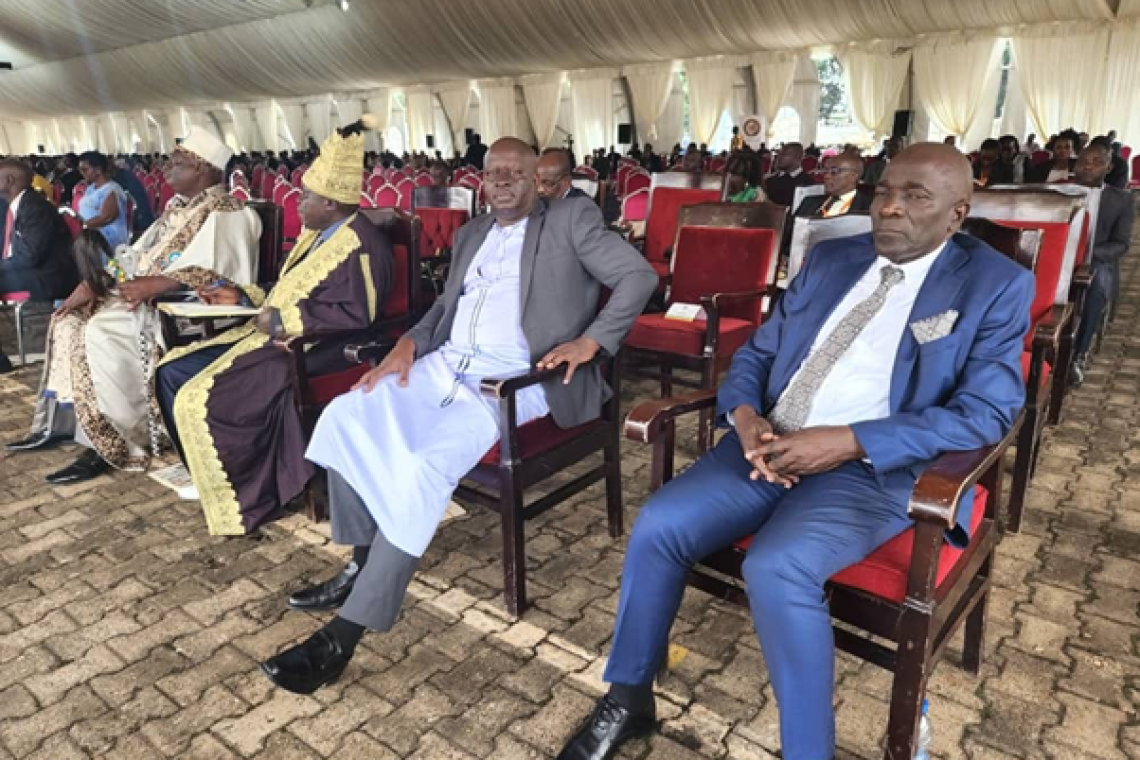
637 699
346 633
360 555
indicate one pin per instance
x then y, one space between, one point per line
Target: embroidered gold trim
369 284
233 335
219 499
301 280
254 293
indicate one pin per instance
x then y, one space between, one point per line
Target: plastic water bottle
925 734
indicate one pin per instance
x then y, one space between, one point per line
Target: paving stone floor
127 632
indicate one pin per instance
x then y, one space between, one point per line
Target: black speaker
430 141
469 135
625 134
904 122
5 66
40 149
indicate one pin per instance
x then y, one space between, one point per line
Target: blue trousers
1097 298
803 536
170 379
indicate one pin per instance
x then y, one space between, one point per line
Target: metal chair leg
20 334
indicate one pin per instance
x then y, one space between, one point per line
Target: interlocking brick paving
127 632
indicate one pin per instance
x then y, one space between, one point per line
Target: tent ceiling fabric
121 55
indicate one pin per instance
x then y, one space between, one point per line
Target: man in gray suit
522 293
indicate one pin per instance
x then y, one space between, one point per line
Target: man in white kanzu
523 292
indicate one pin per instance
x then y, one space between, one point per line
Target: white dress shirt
858 388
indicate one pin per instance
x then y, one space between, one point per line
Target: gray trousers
379 591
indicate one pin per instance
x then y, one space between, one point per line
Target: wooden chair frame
919 627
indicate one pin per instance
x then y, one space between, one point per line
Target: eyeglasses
504 175
550 184
832 170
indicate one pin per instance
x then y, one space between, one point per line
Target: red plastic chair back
291 203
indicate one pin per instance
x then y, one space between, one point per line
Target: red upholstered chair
669 192
406 188
716 165
290 206
256 176
17 300
634 208
1126 152
587 171
280 190
441 212
165 196
387 196
724 260
1039 157
809 163
1135 181
637 180
1058 301
73 222
422 180
295 177
620 178
241 193
471 181
375 182
902 605
366 200
56 192
77 195
268 181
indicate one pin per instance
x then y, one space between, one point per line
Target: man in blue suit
887 350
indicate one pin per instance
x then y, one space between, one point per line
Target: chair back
271 244
295 177
1039 157
165 196
724 248
437 229
669 192
1126 152
1021 244
461 198
587 171
265 187
256 175
1060 216
73 222
402 232
366 200
241 193
77 195
807 232
637 180
809 164
406 188
806 191
423 180
375 182
716 165
1135 174
621 176
635 207
586 184
280 190
387 196
291 211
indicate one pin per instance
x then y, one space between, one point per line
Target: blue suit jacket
957 393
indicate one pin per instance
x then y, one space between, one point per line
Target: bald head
15 178
922 199
843 174
554 173
508 178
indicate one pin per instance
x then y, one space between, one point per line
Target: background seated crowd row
883 352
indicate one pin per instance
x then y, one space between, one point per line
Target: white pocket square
932 328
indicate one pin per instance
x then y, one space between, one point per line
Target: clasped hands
784 459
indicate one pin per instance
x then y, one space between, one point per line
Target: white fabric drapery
1014 116
875 74
710 86
421 119
140 122
772 76
951 75
455 99
319 115
1062 75
1122 84
243 126
983 125
592 93
671 125
379 104
498 116
349 109
177 127
650 86
543 96
294 117
267 124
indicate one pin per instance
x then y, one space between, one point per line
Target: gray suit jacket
1113 226
568 255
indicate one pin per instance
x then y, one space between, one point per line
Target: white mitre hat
207 147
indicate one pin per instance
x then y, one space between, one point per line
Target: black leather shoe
89 465
308 666
42 440
610 726
329 595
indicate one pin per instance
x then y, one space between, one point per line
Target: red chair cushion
16 296
664 209
653 332
1050 259
538 437
712 260
324 388
883 572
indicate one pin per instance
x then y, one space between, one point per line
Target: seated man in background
229 403
887 351
1013 158
874 169
440 174
841 189
555 176
787 175
1113 238
35 256
101 351
989 168
523 291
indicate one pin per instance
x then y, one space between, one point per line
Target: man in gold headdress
101 350
229 403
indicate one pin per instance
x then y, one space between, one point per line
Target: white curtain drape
772 75
710 86
267 125
1122 84
348 110
1062 76
294 116
319 115
177 127
421 119
243 126
1013 115
650 86
455 99
671 125
592 94
498 116
951 74
875 75
543 96
379 105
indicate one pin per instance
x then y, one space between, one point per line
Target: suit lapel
530 251
938 294
462 261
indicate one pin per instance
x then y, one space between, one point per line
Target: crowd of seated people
818 460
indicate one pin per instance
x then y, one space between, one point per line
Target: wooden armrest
298 342
1082 276
939 491
1050 329
502 387
367 353
646 420
716 298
